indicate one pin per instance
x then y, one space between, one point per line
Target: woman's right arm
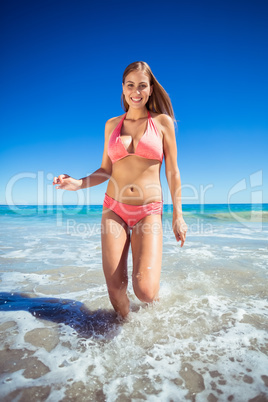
66 182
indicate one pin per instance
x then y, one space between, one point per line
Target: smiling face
137 89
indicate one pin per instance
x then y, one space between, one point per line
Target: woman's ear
123 88
151 89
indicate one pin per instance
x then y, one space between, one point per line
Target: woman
135 144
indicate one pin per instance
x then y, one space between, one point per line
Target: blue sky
61 72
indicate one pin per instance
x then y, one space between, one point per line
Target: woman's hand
66 182
179 229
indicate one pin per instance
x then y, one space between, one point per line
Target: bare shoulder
112 123
163 122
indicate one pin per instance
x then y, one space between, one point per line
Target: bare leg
146 243
115 244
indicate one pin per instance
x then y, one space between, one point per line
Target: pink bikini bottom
132 214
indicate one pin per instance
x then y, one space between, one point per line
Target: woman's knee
145 291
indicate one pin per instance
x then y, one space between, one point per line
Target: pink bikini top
150 145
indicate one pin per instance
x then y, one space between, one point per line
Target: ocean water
205 339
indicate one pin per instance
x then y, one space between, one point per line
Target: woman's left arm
173 177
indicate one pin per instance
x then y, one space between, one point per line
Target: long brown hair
159 101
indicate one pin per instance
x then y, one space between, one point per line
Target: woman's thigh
146 244
115 244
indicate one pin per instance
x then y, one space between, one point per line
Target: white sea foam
206 338
153 349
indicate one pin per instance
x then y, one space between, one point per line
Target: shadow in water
87 323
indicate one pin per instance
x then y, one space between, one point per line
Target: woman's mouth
136 100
